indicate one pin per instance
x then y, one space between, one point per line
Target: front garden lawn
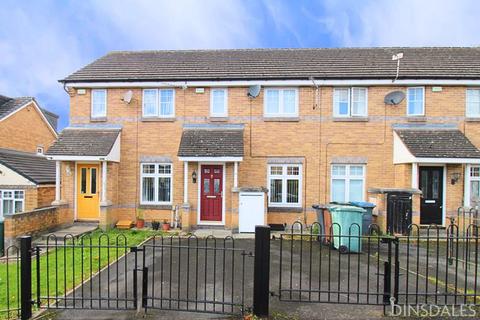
61 262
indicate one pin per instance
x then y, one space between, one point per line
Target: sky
42 41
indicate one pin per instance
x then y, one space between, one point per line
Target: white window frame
225 102
469 115
347 177
93 115
350 114
281 112
2 197
157 103
156 175
469 179
284 177
423 102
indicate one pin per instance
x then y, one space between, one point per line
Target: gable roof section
211 142
275 64
84 142
8 106
438 143
35 168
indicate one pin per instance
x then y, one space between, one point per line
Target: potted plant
140 221
165 225
155 225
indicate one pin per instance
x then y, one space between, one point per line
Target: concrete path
76 230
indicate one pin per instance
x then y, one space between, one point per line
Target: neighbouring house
205 133
27 178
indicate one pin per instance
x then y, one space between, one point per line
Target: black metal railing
10 283
191 274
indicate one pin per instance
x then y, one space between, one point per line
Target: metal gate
399 212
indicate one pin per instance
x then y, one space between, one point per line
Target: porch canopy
86 143
218 143
443 144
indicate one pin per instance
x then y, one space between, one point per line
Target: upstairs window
416 101
12 201
99 103
281 102
350 102
473 103
285 181
159 103
218 103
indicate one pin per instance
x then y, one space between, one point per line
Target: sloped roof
320 63
9 105
425 143
84 142
214 142
35 168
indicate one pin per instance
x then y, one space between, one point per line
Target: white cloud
41 42
402 23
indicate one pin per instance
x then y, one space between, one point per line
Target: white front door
251 211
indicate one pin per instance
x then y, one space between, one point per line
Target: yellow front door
88 202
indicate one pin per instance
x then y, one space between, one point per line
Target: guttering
246 83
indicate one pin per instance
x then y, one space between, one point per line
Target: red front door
211 193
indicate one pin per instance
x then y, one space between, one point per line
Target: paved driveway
174 276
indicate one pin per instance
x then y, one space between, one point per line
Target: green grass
56 266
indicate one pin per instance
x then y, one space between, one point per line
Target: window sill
285 209
350 119
416 118
157 119
98 119
472 119
218 119
281 119
155 206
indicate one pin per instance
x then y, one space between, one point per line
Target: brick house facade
312 135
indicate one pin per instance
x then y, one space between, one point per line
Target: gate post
261 274
26 277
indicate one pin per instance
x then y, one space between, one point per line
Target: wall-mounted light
455 177
194 176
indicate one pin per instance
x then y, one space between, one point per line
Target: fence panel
10 283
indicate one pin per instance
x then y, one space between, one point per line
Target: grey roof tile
438 143
211 143
320 63
35 168
84 142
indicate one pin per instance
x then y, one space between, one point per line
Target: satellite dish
127 97
254 91
394 97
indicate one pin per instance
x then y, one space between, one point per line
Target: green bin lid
337 208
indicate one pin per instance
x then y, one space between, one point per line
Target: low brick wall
34 222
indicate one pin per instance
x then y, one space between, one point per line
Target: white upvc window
347 182
285 185
12 201
99 103
474 186
350 102
280 102
473 103
158 103
156 183
219 102
416 101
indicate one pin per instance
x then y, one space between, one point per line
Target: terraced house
234 138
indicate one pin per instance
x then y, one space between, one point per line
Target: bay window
347 182
285 181
156 183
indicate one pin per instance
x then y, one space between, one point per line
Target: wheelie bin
347 227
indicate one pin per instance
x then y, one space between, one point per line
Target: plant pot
165 226
140 223
155 225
